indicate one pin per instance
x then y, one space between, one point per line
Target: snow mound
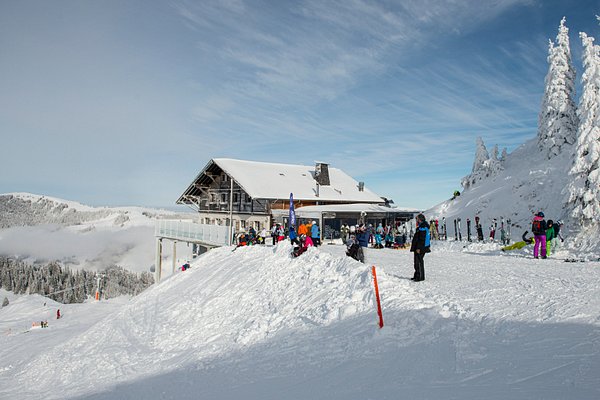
227 302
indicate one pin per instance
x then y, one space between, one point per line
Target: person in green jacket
550 234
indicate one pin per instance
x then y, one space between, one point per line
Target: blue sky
124 102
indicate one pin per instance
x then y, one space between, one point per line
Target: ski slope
256 324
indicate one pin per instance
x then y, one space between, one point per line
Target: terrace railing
188 231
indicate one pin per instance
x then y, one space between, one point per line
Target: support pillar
158 262
174 256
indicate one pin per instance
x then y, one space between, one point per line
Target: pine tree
584 189
557 123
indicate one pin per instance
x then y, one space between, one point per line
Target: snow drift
227 302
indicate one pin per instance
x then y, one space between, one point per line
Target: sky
124 102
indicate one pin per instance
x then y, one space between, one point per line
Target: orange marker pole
377 296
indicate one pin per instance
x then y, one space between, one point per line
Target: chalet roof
356 208
263 180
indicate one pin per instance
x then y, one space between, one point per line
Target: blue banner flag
292 221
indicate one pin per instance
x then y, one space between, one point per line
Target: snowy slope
41 229
529 183
256 324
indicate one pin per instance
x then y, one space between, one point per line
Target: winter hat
421 217
540 214
559 222
314 222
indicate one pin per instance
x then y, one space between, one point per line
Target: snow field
255 323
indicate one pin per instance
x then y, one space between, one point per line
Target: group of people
380 237
545 235
279 233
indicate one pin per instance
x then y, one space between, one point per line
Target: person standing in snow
419 246
362 236
549 236
58 313
293 236
344 232
315 234
557 234
538 228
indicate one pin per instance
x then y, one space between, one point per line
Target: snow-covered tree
485 165
557 123
503 156
584 189
481 157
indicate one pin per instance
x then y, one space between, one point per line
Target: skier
362 236
344 231
315 234
58 313
519 245
557 234
263 236
549 236
538 227
420 246
354 249
293 236
305 243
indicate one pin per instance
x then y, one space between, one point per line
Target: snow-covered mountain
524 183
40 229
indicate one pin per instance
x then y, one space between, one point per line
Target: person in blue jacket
420 246
293 236
362 235
315 234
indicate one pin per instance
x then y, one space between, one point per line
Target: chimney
361 186
322 173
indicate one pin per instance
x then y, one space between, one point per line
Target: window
236 197
223 197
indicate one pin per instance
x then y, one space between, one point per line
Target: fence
187 231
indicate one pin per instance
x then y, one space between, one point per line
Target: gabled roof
272 181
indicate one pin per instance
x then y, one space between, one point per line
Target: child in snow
305 243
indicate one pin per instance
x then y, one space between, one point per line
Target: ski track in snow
257 324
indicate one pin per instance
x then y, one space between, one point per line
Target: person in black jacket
420 246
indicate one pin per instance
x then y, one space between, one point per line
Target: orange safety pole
377 296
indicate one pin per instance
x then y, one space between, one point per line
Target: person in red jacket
58 314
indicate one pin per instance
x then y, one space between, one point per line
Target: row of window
225 197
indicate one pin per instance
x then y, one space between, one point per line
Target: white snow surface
255 323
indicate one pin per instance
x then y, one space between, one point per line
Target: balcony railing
187 231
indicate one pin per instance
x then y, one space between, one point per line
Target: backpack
537 228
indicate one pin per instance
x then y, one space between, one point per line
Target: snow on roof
276 181
316 211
